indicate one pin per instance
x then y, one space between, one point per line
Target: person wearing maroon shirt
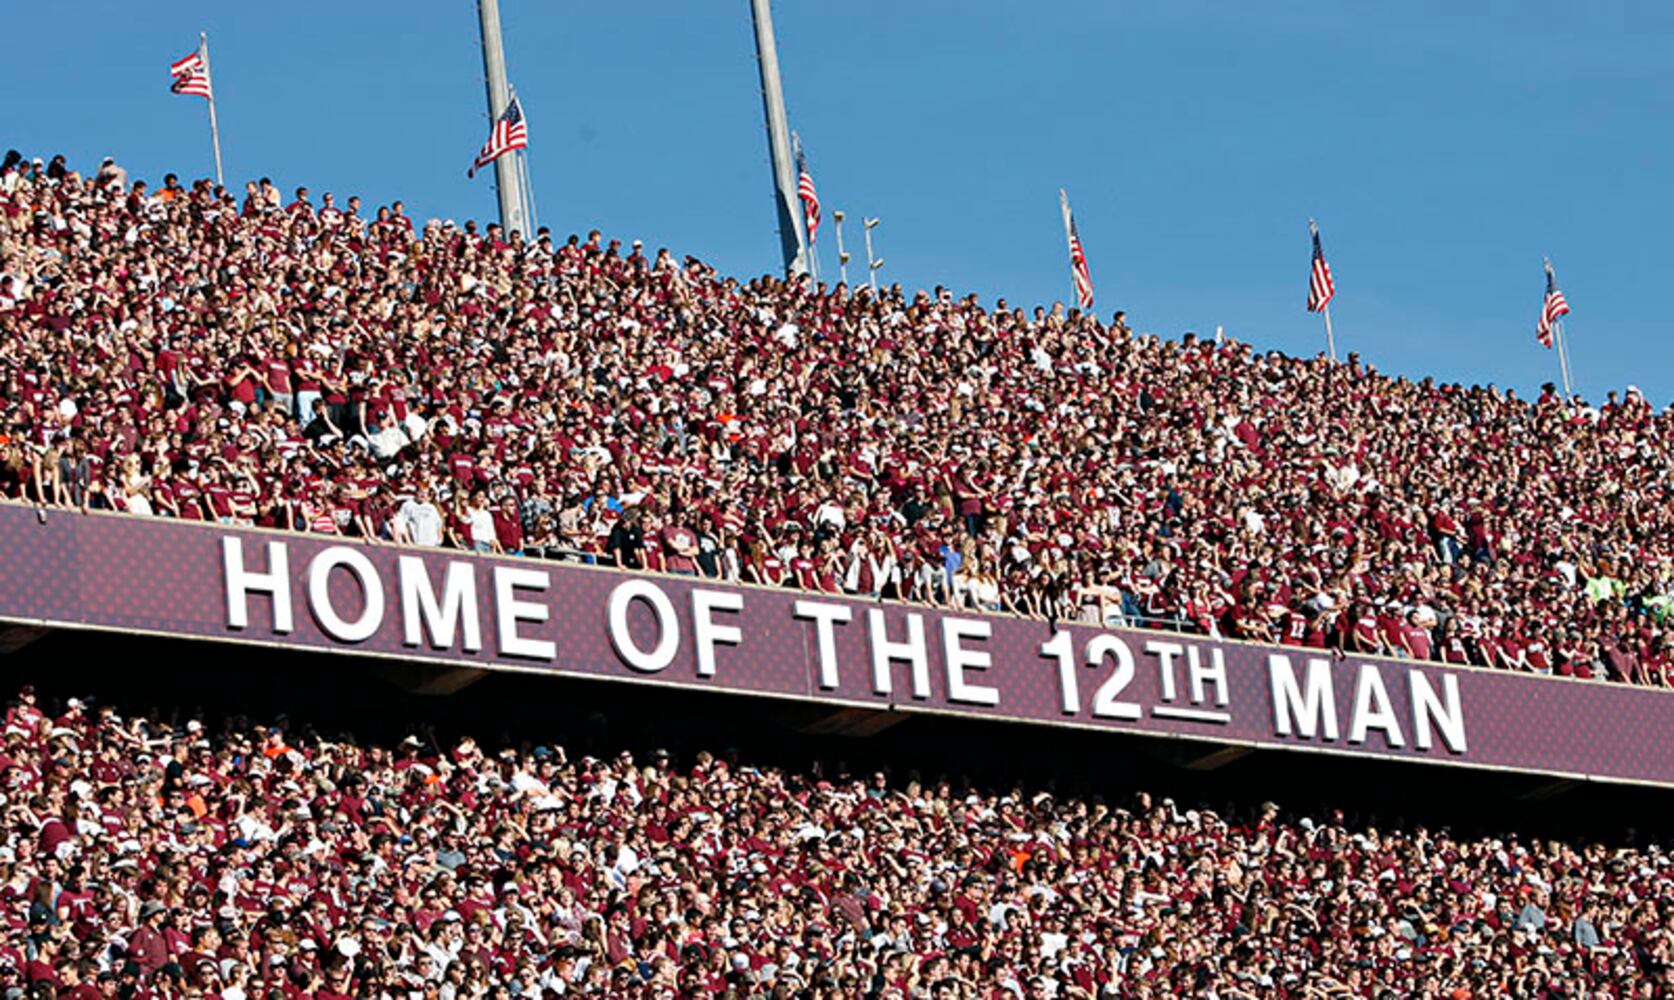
40 970
398 217
804 568
1391 629
1453 645
308 380
337 981
680 547
970 496
146 945
75 904
1297 627
1510 648
765 567
463 466
652 550
1364 634
188 496
1446 531
243 382
508 526
1416 636
206 942
1488 647
217 495
1537 655
24 716
1622 662
76 980
276 374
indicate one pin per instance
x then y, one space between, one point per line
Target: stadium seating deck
144 857
186 353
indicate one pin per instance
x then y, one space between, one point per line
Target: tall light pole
792 235
508 180
842 255
872 263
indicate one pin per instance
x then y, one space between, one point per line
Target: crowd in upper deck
292 361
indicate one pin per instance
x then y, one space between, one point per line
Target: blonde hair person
49 479
985 590
135 485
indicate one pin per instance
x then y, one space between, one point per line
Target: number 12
1106 705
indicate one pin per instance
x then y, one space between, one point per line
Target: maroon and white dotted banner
204 581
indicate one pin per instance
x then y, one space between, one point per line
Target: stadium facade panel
213 582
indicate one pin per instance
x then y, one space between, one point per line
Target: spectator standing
419 521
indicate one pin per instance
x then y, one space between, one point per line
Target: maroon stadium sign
236 585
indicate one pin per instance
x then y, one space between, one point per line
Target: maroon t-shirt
278 375
53 833
508 528
676 537
1418 640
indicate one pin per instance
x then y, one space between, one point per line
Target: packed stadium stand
261 848
182 352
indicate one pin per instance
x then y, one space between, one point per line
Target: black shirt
627 544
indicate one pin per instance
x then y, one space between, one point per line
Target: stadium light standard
872 263
508 179
792 236
842 255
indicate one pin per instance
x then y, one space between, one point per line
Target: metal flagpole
214 126
508 183
1069 245
528 196
1314 267
525 186
813 257
793 241
1563 354
1557 328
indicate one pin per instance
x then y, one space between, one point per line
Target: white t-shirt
482 526
422 522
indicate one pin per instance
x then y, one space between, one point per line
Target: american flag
1320 286
191 76
1078 257
805 191
509 132
1550 309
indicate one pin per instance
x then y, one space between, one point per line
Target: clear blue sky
1443 146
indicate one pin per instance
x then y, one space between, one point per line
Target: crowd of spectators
167 858
192 352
